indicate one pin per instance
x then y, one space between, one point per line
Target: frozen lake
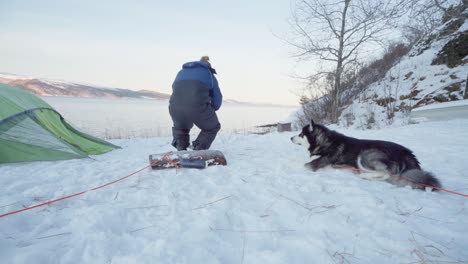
128 118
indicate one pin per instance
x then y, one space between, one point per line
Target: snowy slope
264 207
413 82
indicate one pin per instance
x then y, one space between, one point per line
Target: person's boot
197 145
180 146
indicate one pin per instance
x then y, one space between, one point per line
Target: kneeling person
195 98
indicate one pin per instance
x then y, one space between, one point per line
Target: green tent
30 129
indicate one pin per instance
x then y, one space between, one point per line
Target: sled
198 159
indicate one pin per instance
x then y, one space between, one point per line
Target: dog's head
312 137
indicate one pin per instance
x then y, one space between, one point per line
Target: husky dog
375 159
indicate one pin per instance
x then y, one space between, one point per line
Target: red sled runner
198 159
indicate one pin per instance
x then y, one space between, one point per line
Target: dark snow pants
184 117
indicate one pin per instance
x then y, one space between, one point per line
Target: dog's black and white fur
375 159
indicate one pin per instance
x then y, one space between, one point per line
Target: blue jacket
196 85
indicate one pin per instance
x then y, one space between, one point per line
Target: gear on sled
198 159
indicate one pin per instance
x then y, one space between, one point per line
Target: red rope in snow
406 179
167 158
42 204
83 192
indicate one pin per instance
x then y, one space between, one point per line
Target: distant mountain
45 87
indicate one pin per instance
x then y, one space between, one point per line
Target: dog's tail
417 179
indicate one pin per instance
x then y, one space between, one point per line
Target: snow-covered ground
264 207
443 111
443 105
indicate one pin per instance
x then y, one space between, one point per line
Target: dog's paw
311 166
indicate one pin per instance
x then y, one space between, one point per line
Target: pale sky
142 44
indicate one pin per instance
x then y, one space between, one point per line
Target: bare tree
338 33
426 15
451 8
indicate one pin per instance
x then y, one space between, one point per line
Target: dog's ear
311 125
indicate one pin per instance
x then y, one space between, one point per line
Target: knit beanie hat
205 59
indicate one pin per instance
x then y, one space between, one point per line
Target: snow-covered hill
435 71
264 207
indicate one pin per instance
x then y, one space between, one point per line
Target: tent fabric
31 130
